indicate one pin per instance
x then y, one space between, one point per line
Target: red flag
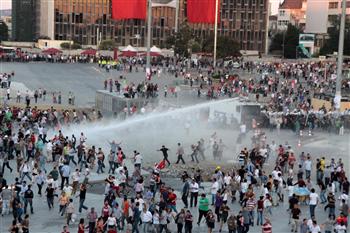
161 165
129 9
115 54
202 11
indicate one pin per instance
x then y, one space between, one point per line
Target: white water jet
147 133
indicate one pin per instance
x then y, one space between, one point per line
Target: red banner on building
129 9
202 11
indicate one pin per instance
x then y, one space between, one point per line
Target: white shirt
308 165
111 221
194 187
227 180
146 217
340 228
138 159
76 176
313 198
243 128
315 229
49 146
214 187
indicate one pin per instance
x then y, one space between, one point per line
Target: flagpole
149 24
177 16
337 98
215 30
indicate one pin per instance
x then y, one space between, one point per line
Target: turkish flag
202 11
161 165
129 9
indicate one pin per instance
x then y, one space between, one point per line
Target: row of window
336 5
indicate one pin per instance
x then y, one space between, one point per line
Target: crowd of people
58 168
134 201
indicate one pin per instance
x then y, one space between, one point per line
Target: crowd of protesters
59 168
132 201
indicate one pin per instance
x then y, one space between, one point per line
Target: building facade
24 20
291 12
320 14
88 21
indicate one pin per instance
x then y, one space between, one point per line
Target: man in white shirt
313 202
314 228
137 159
308 167
214 190
194 188
76 179
49 150
146 218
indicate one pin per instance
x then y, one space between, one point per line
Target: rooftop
291 4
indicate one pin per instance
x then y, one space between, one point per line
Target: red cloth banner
202 11
129 9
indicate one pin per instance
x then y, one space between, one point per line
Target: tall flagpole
337 98
215 30
177 15
149 25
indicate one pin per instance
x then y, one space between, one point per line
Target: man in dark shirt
28 199
50 192
164 150
295 217
82 196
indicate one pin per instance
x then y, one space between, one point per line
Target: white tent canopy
154 49
129 48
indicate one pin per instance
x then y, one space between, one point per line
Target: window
348 4
282 12
333 5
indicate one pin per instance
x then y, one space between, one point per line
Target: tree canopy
4 31
290 43
185 41
332 42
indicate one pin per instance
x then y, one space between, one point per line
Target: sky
5 4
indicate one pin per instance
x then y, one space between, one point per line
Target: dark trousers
180 157
193 199
81 205
62 181
50 202
185 200
6 164
26 202
92 226
202 214
166 159
179 227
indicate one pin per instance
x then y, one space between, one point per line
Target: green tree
4 32
291 41
331 44
107 45
68 45
277 42
182 40
288 39
226 46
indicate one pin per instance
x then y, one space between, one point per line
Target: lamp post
337 98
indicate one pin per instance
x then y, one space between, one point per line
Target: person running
165 150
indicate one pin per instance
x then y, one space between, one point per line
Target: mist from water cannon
148 132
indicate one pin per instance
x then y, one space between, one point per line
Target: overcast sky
5 4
